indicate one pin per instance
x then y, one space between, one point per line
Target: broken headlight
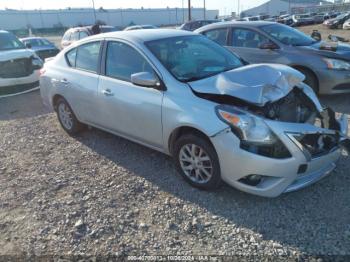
247 127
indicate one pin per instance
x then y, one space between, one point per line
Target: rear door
80 81
127 109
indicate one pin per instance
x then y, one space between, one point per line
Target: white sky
225 6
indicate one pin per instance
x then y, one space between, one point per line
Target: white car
346 25
258 128
19 66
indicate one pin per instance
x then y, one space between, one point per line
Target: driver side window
247 38
122 61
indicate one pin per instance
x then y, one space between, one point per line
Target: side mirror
28 45
145 79
269 45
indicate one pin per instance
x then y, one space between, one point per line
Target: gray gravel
99 194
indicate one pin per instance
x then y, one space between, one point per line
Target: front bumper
333 81
10 86
280 175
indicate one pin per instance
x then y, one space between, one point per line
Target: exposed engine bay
283 99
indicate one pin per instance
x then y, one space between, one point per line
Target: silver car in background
256 127
326 67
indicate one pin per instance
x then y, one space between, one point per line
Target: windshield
288 35
190 58
8 42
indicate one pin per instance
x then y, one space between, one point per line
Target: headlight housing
337 64
37 62
246 126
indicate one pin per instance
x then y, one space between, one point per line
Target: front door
127 109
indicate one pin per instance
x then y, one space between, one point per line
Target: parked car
74 34
193 25
137 27
19 66
41 46
337 22
346 25
255 127
302 19
285 19
320 18
251 18
327 69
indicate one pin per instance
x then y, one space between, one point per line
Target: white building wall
274 7
13 20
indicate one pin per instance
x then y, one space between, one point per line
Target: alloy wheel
196 163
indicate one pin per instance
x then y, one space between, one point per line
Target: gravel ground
99 194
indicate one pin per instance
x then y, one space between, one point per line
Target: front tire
67 118
196 160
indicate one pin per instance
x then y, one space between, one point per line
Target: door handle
107 92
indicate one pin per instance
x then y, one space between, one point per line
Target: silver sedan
256 127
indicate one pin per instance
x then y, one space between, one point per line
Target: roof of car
143 35
239 23
32 38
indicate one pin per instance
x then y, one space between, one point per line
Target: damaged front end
275 115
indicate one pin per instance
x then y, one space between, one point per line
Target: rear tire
67 118
196 160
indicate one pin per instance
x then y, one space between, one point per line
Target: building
22 19
278 7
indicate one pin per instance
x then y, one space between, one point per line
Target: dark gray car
326 66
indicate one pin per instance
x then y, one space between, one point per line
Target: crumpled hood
15 54
256 84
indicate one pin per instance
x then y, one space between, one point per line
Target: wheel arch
55 99
184 130
309 70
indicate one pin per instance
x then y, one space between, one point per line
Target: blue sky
225 6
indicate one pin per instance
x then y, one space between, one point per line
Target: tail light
42 71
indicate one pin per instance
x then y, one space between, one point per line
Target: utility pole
238 8
189 10
93 6
205 11
289 7
183 12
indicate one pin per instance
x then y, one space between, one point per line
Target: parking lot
100 194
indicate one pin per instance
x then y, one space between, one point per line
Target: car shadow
296 219
22 106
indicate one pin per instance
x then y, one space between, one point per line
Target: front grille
317 145
16 68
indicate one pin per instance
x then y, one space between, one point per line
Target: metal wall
13 20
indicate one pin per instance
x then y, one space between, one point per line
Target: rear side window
66 36
71 56
122 61
87 56
217 35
